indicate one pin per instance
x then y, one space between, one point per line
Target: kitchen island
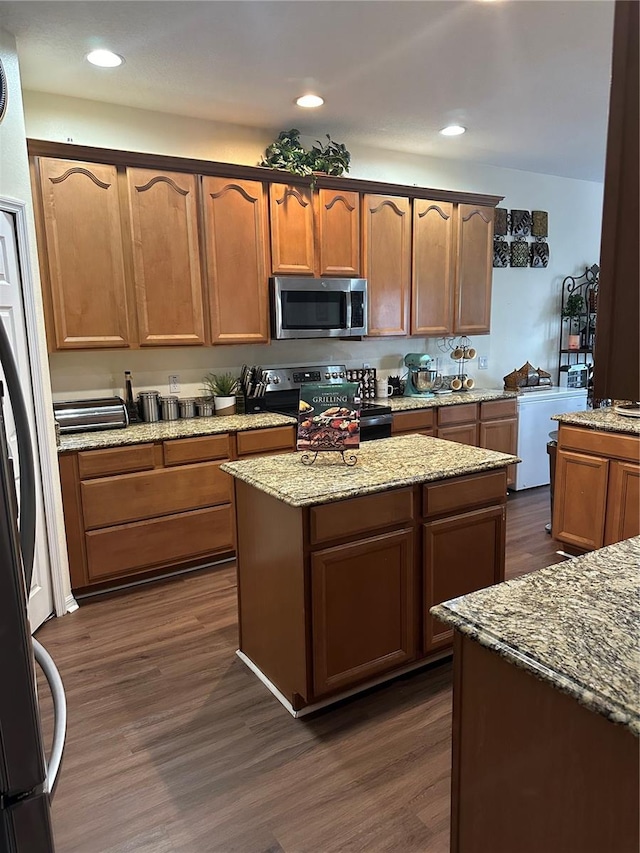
547 709
338 566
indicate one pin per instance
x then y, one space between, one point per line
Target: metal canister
187 407
149 405
169 408
205 406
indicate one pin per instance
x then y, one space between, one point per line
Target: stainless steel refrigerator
26 782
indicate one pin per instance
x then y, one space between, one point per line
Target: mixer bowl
424 381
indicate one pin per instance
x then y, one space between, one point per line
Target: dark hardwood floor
174 746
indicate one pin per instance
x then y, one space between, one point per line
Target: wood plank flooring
175 747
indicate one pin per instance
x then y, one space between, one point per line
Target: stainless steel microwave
318 307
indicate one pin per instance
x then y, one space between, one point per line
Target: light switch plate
174 383
483 362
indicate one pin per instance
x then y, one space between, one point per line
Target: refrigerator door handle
25 454
45 661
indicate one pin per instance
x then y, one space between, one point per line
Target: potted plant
223 389
288 153
572 310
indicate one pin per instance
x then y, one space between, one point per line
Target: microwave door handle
349 311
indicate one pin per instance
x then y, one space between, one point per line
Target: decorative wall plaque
500 253
500 222
520 253
539 223
539 254
520 223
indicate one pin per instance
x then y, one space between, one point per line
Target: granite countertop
574 625
604 419
161 430
387 463
456 398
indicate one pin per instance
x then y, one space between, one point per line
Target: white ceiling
528 78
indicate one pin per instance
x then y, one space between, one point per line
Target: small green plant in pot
573 308
223 389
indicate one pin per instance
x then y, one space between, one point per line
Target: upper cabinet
387 254
338 233
236 240
163 210
84 258
292 239
432 268
474 270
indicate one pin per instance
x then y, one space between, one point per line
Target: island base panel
271 588
533 770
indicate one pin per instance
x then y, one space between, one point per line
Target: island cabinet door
461 553
363 610
580 499
623 502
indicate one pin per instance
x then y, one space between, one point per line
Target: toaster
90 415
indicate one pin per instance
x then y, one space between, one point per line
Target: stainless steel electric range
283 393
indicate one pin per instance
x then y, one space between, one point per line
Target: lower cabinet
460 554
335 596
597 488
363 620
462 433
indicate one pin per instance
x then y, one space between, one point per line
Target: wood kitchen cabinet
387 256
163 209
472 313
338 216
597 487
86 300
236 241
498 430
292 229
356 636
416 420
432 283
459 423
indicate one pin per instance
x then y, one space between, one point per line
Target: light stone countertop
575 625
387 463
456 398
604 419
161 430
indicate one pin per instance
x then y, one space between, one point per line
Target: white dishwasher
535 409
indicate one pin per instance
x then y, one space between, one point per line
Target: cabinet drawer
132 497
181 451
357 516
413 421
457 414
609 444
265 440
115 460
143 545
492 409
462 433
464 493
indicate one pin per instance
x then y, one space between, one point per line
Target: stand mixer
422 379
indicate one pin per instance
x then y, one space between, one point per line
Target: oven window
314 309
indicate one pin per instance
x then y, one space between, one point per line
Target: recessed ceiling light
309 101
453 130
104 58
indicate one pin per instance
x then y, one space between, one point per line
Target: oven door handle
375 420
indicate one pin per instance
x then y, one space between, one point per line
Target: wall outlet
174 383
365 365
483 362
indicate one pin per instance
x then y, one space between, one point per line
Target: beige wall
525 309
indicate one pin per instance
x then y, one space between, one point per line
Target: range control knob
341 374
334 375
327 376
275 380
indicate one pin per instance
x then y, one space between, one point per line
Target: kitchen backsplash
77 375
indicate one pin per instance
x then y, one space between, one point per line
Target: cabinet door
84 254
461 554
235 215
432 279
339 232
579 499
474 269
292 243
387 248
501 435
623 502
166 260
462 433
363 609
